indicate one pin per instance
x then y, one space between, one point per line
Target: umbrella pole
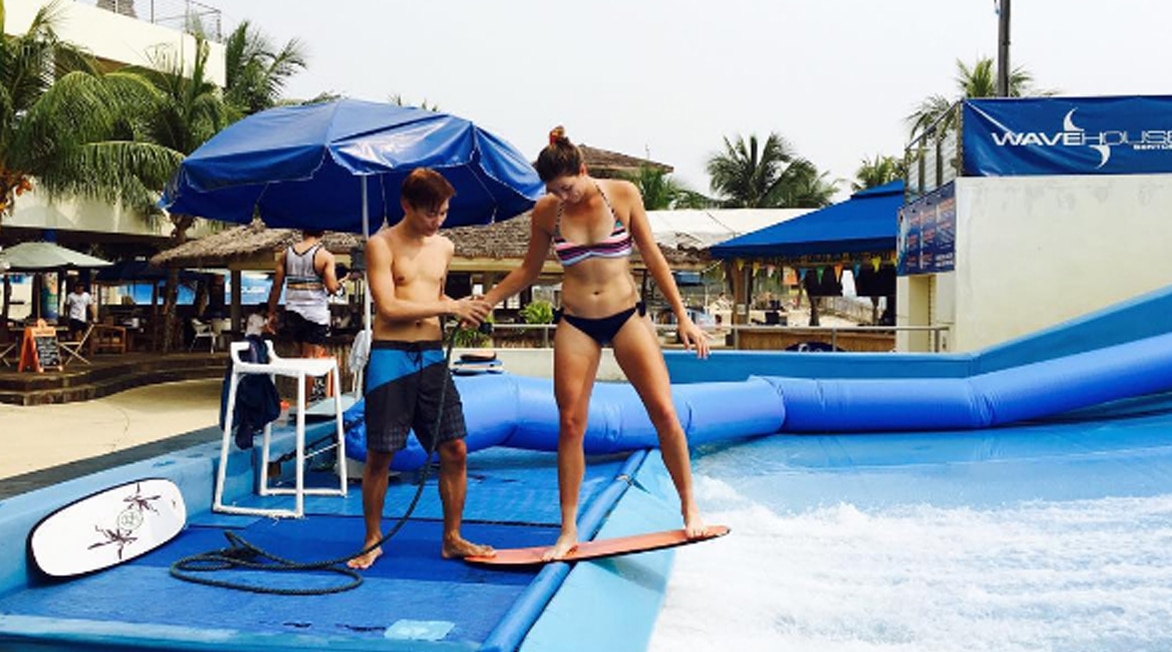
366 301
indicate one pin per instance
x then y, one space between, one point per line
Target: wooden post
742 277
235 312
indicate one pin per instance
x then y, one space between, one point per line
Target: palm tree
188 110
878 171
806 187
660 191
978 81
28 67
747 175
69 128
256 72
692 199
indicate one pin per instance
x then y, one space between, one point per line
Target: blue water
1047 537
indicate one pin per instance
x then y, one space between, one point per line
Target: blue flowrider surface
411 595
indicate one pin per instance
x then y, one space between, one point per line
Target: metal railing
186 16
669 330
934 156
934 332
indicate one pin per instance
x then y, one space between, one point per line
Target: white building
1031 250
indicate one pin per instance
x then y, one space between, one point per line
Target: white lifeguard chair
299 368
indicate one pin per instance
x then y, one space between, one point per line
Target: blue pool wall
1144 316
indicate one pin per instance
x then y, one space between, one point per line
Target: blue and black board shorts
404 381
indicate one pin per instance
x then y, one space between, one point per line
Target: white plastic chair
202 331
299 368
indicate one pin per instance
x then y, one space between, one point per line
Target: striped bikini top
616 245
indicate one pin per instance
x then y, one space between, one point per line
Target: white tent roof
701 228
43 256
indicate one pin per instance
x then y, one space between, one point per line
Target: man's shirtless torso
419 268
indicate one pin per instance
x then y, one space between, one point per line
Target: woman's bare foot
459 548
694 526
565 544
362 562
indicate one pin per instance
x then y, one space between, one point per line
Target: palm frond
746 174
122 172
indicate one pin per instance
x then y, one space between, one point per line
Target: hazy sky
671 79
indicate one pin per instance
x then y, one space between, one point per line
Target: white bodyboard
108 528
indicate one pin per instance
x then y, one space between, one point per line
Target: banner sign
1056 135
926 238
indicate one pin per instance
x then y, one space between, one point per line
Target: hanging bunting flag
820 270
857 268
802 274
875 262
838 272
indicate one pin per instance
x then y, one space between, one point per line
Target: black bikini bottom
601 329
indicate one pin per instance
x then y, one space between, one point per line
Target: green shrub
538 312
467 338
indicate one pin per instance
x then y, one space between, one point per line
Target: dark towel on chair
257 401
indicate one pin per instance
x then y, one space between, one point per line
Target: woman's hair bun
557 135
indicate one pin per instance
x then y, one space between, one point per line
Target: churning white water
1077 575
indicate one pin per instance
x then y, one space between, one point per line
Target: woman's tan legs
637 351
575 364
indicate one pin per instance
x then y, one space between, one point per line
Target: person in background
79 305
593 225
307 272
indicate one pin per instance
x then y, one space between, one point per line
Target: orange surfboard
599 548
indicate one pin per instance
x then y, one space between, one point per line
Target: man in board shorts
408 385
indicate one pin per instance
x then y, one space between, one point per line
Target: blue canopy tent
864 226
865 223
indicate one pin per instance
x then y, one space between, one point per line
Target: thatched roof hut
604 163
253 246
497 247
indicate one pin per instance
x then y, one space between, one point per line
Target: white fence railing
183 15
669 331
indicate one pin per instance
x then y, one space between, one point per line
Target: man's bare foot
565 544
459 548
362 562
694 526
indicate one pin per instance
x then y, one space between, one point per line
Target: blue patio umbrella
337 165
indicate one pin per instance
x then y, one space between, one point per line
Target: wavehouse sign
1053 135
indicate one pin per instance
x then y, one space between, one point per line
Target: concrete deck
46 444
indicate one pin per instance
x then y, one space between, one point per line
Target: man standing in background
307 272
79 305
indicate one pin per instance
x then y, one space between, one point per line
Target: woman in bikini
593 224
